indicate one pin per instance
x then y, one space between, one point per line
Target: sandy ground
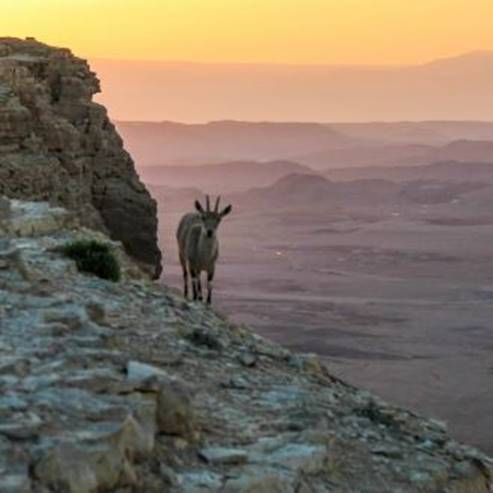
396 304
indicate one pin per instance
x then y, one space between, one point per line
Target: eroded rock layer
57 144
127 387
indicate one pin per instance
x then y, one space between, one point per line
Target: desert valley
377 255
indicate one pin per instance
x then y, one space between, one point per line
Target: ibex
199 247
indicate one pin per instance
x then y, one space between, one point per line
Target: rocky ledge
56 144
127 387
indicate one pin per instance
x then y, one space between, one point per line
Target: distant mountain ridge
459 171
400 155
417 132
169 143
315 191
312 144
223 177
197 92
474 59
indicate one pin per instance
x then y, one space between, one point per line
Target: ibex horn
208 203
216 208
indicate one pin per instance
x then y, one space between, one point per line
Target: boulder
175 415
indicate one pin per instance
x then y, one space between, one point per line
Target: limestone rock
57 144
15 482
223 455
67 469
200 482
83 470
175 415
72 318
138 372
256 480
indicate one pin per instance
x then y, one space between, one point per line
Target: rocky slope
57 144
127 387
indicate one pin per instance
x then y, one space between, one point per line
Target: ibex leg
199 287
210 278
185 277
193 275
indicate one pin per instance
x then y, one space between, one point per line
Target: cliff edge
127 387
56 144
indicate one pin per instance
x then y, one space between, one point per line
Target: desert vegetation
93 257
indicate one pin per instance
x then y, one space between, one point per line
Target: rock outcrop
56 144
127 387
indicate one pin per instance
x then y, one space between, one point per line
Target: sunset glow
282 31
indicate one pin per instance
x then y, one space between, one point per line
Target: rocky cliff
127 387
56 144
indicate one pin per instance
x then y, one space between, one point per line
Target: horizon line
295 64
303 122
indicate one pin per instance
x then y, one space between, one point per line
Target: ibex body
198 246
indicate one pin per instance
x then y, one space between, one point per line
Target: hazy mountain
313 191
423 132
399 155
175 199
465 150
312 144
385 155
478 204
170 143
457 88
445 170
220 178
436 192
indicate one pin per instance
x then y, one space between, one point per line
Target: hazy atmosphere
354 142
328 60
350 32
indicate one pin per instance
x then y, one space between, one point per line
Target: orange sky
283 31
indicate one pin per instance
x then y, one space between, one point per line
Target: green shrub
94 257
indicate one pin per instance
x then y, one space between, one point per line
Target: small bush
94 257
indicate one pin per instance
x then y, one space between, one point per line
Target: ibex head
211 219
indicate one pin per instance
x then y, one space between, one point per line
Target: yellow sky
282 31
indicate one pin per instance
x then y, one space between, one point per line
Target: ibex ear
198 206
226 210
